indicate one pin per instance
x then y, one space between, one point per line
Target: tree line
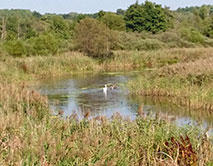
141 27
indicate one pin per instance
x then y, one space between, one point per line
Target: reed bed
30 135
179 91
126 60
188 82
31 68
196 67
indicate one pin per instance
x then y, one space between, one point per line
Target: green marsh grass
29 68
188 81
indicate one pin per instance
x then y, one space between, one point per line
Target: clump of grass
29 68
180 91
16 98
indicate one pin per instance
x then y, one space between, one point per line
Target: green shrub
173 40
94 38
15 48
46 44
192 35
135 41
113 21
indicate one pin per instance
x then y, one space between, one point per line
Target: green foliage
60 27
172 40
146 17
208 28
113 21
136 41
192 35
16 12
80 17
15 48
101 13
93 38
120 11
46 44
36 14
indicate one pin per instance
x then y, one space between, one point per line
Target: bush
15 48
173 40
113 21
135 41
192 35
46 44
94 38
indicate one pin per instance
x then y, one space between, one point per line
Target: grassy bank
185 76
32 68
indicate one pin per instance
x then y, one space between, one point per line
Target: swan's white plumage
105 89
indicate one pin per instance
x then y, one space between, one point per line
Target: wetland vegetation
175 60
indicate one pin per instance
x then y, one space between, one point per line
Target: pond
84 93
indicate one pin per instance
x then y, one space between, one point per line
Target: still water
80 94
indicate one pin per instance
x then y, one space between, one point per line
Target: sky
89 6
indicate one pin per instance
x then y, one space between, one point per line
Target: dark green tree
101 13
120 12
147 17
36 14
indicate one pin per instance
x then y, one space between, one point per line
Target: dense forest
141 27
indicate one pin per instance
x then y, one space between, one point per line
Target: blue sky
89 6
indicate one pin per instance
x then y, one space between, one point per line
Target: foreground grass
31 136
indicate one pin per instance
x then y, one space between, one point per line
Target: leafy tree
101 13
15 48
36 14
93 38
80 17
120 12
12 28
208 27
60 27
203 12
113 21
45 44
147 17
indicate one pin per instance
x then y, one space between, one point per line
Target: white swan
105 89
